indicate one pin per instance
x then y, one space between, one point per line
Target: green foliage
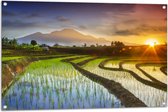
9 42
117 44
36 47
74 45
92 45
82 59
13 42
5 41
24 45
6 52
29 47
33 42
10 58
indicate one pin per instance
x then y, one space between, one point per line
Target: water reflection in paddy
52 84
152 97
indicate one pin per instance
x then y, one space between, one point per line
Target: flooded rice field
52 84
152 97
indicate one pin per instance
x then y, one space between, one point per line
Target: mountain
131 44
67 37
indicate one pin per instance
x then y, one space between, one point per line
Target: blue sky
110 21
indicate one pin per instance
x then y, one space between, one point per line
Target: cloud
82 27
130 21
141 30
33 15
146 28
125 33
63 19
18 24
120 10
7 13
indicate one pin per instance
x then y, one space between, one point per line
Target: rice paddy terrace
82 81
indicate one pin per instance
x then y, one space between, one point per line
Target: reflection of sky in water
152 97
50 91
155 72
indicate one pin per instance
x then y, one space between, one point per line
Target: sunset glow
83 55
151 42
131 23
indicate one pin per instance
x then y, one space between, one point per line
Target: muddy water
52 84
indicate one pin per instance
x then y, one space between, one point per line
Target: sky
132 23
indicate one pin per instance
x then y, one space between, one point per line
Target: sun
151 42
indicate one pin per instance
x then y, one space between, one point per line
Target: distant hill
132 44
66 37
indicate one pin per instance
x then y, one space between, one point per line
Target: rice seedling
131 66
155 72
11 58
147 94
79 60
112 64
58 86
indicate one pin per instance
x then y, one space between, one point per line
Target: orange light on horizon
151 50
151 42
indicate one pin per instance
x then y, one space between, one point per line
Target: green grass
82 59
11 58
50 66
6 52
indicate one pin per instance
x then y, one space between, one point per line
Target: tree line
13 43
116 44
9 42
